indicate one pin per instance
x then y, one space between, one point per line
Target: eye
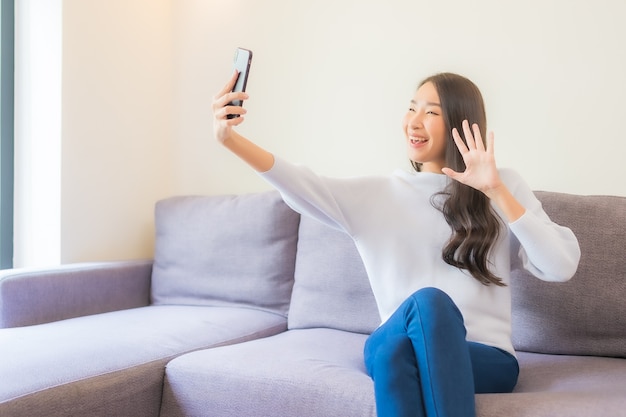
432 112
412 109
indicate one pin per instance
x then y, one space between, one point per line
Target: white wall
330 82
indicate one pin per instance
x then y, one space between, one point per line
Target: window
7 25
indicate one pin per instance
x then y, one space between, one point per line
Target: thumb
451 173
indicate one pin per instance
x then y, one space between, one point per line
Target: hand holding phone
242 61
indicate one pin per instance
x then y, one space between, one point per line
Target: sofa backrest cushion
331 288
586 315
225 251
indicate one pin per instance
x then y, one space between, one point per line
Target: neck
432 167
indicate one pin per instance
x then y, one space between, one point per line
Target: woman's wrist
506 202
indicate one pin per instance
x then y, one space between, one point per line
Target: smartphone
242 61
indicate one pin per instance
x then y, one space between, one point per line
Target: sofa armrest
29 296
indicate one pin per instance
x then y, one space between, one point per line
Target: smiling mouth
418 141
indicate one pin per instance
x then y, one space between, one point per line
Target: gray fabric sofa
249 310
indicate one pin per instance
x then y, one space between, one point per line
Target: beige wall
116 124
330 82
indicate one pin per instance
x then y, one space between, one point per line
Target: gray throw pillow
225 251
331 289
586 315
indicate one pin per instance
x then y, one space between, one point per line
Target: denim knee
434 305
433 299
431 295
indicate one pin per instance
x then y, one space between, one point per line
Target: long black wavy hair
475 225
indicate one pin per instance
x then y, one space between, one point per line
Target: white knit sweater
400 236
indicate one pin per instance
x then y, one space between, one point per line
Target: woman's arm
255 156
302 190
547 250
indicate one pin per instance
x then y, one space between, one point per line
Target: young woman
438 245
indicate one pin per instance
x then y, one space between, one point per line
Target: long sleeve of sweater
547 250
400 235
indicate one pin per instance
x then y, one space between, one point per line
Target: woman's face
425 129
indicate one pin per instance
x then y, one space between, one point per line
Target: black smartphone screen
242 61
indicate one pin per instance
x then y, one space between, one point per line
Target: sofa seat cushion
112 363
311 372
320 373
555 385
226 250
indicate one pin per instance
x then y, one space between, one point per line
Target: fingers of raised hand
472 136
469 137
477 138
227 99
490 142
459 141
230 114
228 87
223 101
223 105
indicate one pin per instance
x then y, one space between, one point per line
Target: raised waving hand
480 164
480 170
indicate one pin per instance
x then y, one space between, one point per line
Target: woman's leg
495 371
390 361
419 360
422 365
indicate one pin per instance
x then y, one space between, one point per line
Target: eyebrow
428 103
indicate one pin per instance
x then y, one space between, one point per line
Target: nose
414 119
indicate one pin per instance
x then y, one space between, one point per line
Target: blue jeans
422 365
